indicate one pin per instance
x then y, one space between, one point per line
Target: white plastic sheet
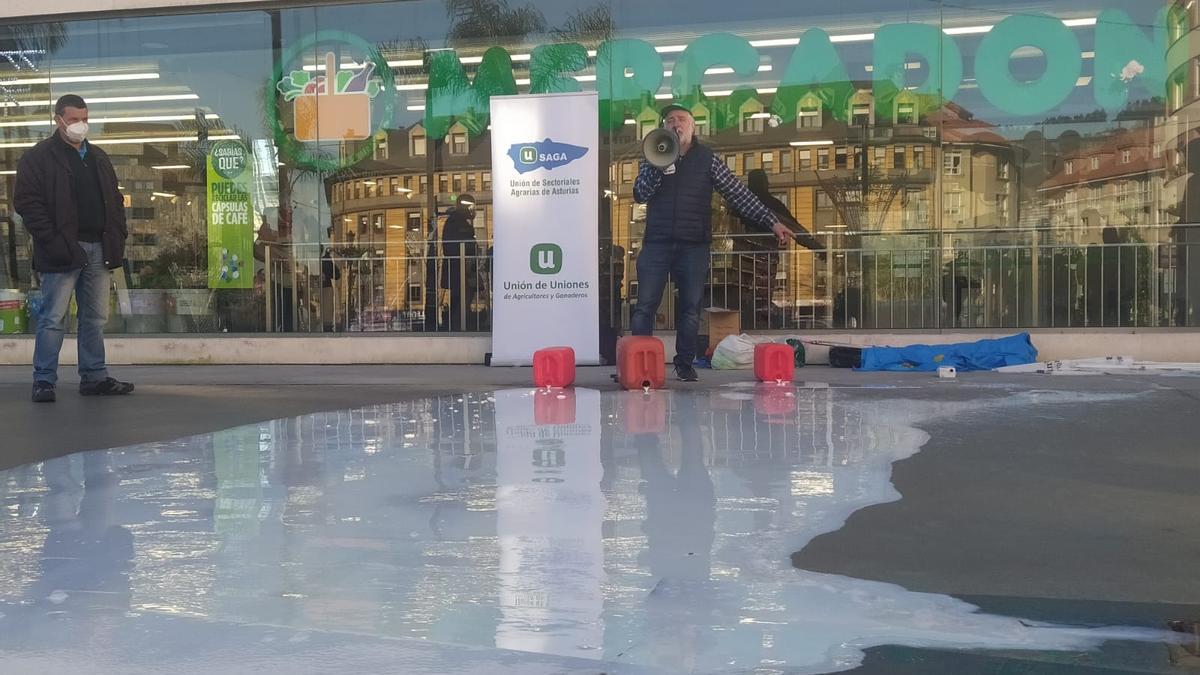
1105 365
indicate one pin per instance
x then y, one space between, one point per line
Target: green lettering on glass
1063 61
893 46
630 72
814 67
716 49
1127 57
452 97
547 63
621 93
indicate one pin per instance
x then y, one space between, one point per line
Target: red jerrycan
774 362
641 362
554 367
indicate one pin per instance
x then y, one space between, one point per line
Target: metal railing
449 291
976 287
979 287
328 288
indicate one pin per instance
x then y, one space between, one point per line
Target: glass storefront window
1028 169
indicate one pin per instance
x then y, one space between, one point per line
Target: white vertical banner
545 181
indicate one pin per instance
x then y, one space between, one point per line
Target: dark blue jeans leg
689 270
92 293
57 289
653 268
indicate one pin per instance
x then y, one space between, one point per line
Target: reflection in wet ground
525 530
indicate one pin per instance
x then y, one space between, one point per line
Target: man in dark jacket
679 232
67 196
459 251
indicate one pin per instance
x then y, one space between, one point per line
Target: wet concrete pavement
407 513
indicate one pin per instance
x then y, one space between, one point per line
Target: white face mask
77 131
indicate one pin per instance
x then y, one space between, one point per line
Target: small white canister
947 373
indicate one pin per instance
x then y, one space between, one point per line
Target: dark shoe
686 372
108 387
43 392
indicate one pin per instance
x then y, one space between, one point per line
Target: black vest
681 210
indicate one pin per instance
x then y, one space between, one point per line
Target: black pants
460 295
282 309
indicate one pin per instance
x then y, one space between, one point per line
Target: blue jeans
687 266
90 286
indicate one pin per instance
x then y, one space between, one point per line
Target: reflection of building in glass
384 211
1177 141
959 193
1114 181
980 171
815 166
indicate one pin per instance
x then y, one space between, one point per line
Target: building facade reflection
955 185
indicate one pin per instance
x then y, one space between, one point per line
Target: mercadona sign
629 72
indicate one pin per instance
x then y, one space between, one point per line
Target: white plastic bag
737 351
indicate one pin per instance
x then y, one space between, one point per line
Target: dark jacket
458 232
45 199
329 270
458 246
681 209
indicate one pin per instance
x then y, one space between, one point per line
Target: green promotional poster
230 217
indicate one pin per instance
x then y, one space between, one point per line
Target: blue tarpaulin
966 356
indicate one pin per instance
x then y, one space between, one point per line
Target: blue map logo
545 154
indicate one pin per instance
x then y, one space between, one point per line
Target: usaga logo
545 154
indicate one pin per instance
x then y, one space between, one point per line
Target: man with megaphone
676 181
